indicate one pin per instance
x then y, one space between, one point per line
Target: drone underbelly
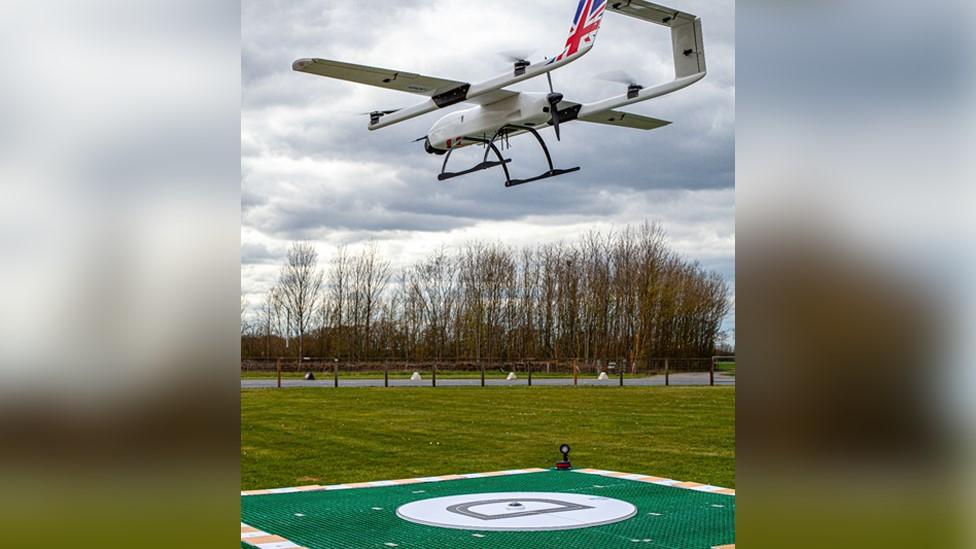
480 126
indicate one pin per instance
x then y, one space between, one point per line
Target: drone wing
444 93
624 120
375 76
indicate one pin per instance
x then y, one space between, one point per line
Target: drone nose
430 148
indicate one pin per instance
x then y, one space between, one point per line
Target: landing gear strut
490 147
485 164
553 172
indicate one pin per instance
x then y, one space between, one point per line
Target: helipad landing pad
582 508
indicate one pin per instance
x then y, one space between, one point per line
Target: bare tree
244 322
371 274
433 285
300 283
339 296
323 321
270 318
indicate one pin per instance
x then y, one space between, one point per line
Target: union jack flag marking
589 14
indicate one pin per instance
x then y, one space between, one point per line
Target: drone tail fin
582 33
689 52
686 32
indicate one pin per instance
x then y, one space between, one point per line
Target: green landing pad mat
665 517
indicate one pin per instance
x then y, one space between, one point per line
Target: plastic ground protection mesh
667 517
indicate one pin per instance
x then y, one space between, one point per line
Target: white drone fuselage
525 109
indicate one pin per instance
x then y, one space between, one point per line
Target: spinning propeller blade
371 113
633 88
375 116
554 98
618 76
515 56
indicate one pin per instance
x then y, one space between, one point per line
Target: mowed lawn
300 436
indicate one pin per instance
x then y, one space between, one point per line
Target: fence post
335 374
667 373
386 374
433 377
621 370
711 372
575 374
482 374
529 368
278 367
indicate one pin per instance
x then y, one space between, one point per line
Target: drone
500 113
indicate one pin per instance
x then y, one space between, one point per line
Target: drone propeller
516 56
554 98
519 60
375 116
617 76
633 88
380 113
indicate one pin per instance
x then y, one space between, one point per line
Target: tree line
607 296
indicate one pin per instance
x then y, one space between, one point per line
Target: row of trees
606 296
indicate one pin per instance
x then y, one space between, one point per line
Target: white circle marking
517 511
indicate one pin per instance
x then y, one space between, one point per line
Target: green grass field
314 436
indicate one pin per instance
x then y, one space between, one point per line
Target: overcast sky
312 171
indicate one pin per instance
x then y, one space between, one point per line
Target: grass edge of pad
310 436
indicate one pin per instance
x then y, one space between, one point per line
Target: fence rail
658 370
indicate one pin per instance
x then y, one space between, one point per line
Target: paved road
675 379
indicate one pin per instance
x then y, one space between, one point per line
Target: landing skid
443 176
544 175
502 161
